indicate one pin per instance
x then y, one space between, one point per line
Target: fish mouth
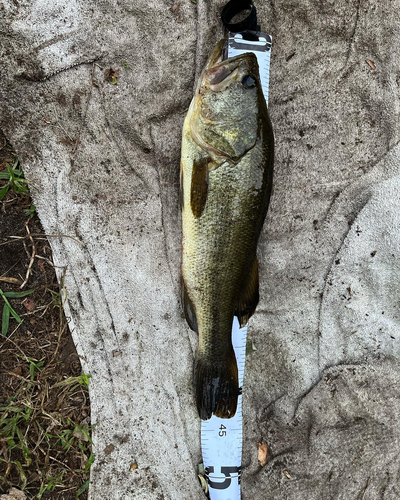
219 70
219 77
217 73
217 55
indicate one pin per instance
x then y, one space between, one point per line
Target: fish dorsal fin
199 187
249 296
188 308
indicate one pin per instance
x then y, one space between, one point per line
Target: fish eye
249 82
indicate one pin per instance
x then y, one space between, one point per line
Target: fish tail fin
216 386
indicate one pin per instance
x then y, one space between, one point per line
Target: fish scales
226 181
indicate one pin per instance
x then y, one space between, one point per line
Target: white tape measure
221 438
262 50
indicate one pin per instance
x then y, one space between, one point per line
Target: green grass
15 180
8 310
29 433
82 380
45 431
30 211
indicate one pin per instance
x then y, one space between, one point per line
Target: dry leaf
370 63
262 453
203 483
42 266
109 449
18 370
68 141
175 7
111 76
29 304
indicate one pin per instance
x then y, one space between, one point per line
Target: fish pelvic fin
249 296
216 386
188 308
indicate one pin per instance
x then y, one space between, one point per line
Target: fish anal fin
199 186
188 308
248 299
216 386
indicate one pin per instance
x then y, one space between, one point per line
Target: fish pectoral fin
199 186
216 386
188 308
249 296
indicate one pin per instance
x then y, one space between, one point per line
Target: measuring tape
221 438
261 48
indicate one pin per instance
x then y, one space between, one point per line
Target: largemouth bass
226 181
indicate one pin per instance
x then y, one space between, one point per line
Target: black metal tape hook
234 7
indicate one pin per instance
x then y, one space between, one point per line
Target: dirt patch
45 446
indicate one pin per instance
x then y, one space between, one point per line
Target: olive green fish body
226 179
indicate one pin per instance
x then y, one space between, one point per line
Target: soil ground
45 446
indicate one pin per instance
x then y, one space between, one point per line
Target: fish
226 175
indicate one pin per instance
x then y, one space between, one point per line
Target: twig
12 333
60 332
8 202
366 487
59 126
51 418
26 249
49 262
12 281
38 236
32 256
40 435
32 382
55 125
16 345
63 464
10 269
